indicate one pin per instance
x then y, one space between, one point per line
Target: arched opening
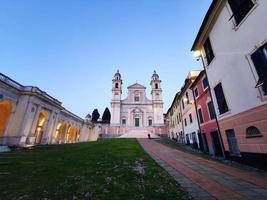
40 128
253 131
5 110
116 85
72 134
58 131
156 86
61 135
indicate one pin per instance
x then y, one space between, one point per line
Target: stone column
31 119
35 120
51 138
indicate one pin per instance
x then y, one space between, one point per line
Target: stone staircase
138 133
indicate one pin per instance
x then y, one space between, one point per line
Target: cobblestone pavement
205 179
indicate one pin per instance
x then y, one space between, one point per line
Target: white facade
232 66
137 110
175 119
188 110
240 104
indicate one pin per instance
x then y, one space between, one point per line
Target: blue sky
72 48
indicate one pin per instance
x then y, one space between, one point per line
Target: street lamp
197 54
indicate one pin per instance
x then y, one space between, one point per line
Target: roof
137 86
173 101
202 73
208 19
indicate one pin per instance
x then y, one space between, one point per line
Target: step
4 149
138 134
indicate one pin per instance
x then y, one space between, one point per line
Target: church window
123 121
136 98
116 85
156 86
150 122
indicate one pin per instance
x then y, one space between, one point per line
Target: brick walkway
204 179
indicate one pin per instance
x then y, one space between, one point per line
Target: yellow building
174 118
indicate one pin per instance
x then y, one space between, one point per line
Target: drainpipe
216 118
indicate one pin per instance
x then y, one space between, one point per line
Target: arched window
156 86
116 85
253 131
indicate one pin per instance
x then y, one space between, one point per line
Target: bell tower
116 99
156 93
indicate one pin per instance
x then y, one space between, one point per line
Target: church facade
136 112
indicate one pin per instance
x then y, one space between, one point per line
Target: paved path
204 179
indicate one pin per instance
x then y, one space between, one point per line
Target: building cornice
208 23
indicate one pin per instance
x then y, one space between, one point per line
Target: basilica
136 114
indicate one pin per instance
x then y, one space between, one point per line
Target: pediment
136 86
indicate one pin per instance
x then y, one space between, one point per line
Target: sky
71 49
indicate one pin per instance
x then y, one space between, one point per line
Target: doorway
216 144
205 143
136 122
201 143
232 142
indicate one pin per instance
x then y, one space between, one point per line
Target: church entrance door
136 122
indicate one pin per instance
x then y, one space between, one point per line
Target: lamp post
198 55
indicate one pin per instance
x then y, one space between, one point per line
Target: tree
95 115
106 116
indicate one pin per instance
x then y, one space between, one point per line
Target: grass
111 169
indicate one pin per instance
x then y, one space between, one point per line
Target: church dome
117 75
155 76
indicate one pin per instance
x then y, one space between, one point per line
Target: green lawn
112 169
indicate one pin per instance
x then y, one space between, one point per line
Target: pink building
209 136
232 44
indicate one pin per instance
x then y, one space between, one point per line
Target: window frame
207 103
150 124
255 135
136 98
254 70
122 120
190 118
187 98
228 109
202 116
208 61
196 91
185 122
232 14
205 88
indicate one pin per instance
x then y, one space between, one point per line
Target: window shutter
220 99
260 63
